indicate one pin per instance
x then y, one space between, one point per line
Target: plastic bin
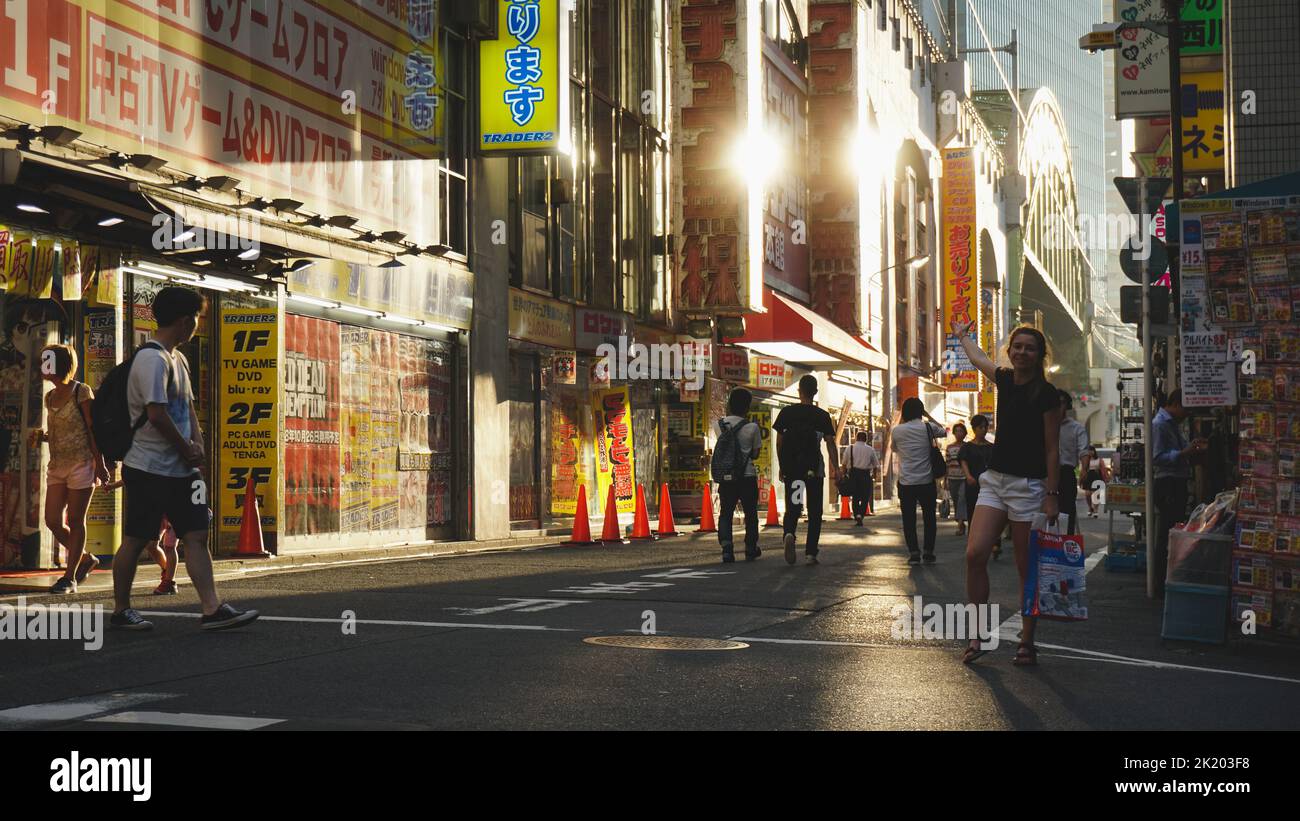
1126 557
1196 612
1199 558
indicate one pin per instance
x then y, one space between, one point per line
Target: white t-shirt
150 451
911 443
860 455
748 437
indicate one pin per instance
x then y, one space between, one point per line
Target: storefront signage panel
333 103
612 412
422 289
524 79
248 418
960 265
540 320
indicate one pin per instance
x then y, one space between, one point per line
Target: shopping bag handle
1061 528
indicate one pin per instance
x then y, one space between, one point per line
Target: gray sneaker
129 619
789 548
227 617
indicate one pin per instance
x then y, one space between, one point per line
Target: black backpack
110 411
729 460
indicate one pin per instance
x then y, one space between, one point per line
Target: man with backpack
144 415
801 431
739 441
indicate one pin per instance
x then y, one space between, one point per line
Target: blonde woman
76 465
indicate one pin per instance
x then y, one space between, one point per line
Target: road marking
191 720
382 622
74 709
520 605
688 573
831 643
607 587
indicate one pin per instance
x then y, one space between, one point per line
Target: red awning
796 333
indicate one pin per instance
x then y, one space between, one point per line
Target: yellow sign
524 79
1203 124
99 353
961 280
988 396
612 413
248 422
568 457
544 321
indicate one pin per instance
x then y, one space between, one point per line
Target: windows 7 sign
524 103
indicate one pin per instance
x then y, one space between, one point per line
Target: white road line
831 643
387 622
74 709
192 720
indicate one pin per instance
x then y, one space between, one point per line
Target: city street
497 641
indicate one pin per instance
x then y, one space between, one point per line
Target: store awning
796 333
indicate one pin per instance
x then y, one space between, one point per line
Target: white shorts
1021 498
80 476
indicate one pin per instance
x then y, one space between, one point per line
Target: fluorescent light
265 297
184 237
251 253
435 326
311 300
32 209
232 284
146 274
110 222
401 320
362 311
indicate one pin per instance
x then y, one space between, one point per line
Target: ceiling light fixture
286 205
393 263
250 254
393 236
59 135
110 222
341 221
145 274
221 183
362 311
31 209
311 300
400 320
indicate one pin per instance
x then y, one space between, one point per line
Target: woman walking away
1016 485
912 442
1094 471
75 463
956 480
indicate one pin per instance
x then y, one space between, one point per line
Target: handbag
844 485
1056 585
938 465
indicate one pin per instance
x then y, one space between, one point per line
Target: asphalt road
496 641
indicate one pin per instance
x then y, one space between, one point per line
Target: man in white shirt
1073 447
861 460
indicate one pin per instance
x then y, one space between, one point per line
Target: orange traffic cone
667 527
641 519
581 527
773 517
610 533
250 530
707 525
846 509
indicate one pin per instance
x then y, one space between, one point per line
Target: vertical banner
311 425
612 412
354 375
248 418
385 502
762 416
523 101
103 524
960 266
988 396
568 467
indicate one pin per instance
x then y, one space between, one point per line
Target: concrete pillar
489 357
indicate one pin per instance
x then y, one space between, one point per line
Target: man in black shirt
801 431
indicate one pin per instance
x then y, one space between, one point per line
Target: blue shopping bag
1056 587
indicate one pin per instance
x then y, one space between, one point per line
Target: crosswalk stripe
74 709
191 720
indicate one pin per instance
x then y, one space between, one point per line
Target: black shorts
149 497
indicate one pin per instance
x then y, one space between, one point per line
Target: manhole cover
666 643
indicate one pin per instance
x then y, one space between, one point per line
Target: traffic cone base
707 524
846 510
641 519
250 530
581 525
667 527
773 516
610 532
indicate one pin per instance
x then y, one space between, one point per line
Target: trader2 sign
523 74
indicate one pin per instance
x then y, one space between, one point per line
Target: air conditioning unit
479 16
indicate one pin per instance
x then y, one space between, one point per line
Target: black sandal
972 652
1026 656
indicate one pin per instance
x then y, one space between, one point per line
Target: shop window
603 17
603 210
578 41
633 208
882 16
523 437
532 221
634 30
453 170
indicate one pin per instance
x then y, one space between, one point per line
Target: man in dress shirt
1172 456
1073 445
